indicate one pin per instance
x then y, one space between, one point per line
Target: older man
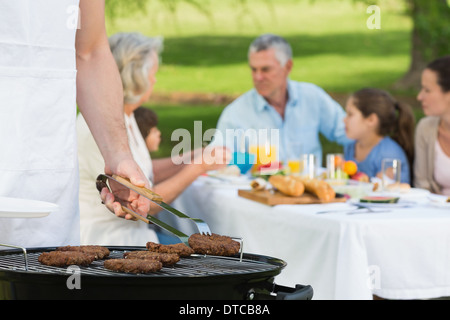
280 111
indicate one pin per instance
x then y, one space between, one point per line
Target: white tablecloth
401 254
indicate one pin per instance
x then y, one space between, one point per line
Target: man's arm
100 100
332 119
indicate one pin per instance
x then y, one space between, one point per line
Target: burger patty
214 244
133 265
65 258
99 252
180 248
167 259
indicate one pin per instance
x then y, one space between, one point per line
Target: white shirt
99 226
441 171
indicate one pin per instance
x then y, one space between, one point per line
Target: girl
433 132
381 128
147 121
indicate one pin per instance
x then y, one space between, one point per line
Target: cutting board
273 198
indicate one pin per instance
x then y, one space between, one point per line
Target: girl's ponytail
403 131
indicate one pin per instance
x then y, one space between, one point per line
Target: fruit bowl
352 188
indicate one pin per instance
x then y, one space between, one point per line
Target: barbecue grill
244 277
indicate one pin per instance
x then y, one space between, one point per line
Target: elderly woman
137 59
432 158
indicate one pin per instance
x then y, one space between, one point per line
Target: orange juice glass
264 154
294 167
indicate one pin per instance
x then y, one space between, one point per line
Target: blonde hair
133 52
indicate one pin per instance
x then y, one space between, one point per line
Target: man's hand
120 195
212 158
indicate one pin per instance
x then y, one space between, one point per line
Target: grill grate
193 266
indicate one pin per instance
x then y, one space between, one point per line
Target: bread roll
287 185
319 188
258 184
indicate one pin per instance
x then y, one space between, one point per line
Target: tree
430 37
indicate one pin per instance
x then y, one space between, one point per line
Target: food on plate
401 187
231 170
350 167
379 199
287 185
319 188
167 259
133 265
180 248
268 168
375 186
338 161
214 244
65 258
360 176
98 252
258 184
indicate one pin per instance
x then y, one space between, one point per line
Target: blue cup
243 160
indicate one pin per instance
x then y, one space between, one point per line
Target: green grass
172 117
332 45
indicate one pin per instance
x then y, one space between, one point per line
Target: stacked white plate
25 208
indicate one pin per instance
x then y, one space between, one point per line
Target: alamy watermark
74 280
240 140
374 20
374 278
74 17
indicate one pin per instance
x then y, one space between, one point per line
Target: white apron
38 157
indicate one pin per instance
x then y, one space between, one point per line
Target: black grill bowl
195 278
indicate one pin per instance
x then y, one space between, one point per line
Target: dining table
345 252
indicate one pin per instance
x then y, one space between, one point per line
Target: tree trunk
429 38
411 80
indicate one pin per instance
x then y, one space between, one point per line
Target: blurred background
204 62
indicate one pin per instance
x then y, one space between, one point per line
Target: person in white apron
42 48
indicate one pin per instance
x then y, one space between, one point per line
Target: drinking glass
335 166
294 166
391 170
308 166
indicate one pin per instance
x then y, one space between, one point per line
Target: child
382 128
147 121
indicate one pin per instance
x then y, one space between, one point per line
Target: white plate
439 201
25 208
400 204
412 193
440 205
224 181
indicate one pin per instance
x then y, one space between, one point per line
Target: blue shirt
385 149
309 111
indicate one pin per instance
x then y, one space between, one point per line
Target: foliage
123 8
432 22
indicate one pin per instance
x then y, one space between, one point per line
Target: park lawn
332 45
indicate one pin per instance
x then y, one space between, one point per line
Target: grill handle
300 292
277 292
25 257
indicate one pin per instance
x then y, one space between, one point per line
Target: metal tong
202 227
